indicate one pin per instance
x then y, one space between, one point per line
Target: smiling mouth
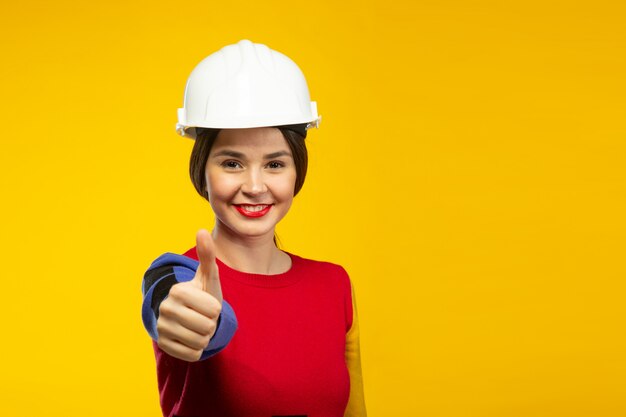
253 210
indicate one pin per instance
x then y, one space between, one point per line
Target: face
250 176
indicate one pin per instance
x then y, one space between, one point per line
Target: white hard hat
246 85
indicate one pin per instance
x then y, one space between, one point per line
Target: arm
356 403
165 272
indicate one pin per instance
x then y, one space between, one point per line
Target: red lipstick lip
246 213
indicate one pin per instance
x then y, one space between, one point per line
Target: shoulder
334 279
322 270
319 265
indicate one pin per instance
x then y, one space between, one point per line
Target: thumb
207 274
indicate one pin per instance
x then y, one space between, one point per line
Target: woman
240 327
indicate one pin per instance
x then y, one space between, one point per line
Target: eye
231 164
275 165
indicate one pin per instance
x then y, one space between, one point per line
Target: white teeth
253 208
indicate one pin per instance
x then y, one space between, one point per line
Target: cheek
283 187
219 187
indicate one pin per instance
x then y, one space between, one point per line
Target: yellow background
469 173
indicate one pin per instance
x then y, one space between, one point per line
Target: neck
252 254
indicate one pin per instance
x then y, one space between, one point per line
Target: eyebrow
234 154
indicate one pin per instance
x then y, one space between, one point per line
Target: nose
254 183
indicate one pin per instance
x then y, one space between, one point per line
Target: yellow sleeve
356 403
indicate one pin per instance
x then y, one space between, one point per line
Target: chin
250 230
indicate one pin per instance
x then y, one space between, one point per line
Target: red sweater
288 356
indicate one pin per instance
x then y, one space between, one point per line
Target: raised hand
188 316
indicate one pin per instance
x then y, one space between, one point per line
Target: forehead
261 140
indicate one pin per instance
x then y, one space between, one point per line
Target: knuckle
208 326
200 343
163 329
177 290
193 355
214 307
161 343
209 330
165 309
212 327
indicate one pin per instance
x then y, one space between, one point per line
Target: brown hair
206 138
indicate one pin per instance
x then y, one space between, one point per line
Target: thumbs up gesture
188 316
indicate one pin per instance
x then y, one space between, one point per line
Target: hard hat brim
192 132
